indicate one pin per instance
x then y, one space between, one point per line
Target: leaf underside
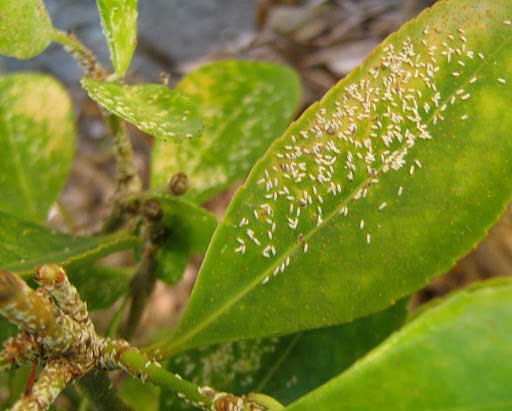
245 105
454 356
36 144
385 183
24 246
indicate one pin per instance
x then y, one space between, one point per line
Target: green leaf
245 106
37 143
306 360
171 261
284 368
190 224
7 330
152 108
139 396
189 230
24 246
453 356
25 28
99 286
413 184
119 22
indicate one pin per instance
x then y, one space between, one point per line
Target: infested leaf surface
152 108
398 172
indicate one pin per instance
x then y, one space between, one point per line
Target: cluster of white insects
368 131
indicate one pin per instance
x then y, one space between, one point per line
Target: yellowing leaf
37 139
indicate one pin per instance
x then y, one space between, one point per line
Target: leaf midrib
177 344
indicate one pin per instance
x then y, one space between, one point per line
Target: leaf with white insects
431 218
245 105
119 22
152 108
25 28
37 139
454 355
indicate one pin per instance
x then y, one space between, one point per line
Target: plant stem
128 180
141 287
140 366
52 380
83 56
31 312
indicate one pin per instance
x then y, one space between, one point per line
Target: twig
141 287
128 185
83 56
84 349
52 380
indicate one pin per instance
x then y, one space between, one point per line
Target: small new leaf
152 108
119 22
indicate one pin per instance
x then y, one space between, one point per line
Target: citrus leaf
245 105
171 261
119 22
187 223
99 286
152 108
189 230
139 396
453 356
24 246
284 368
309 359
36 145
25 28
373 191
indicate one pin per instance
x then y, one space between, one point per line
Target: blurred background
322 39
